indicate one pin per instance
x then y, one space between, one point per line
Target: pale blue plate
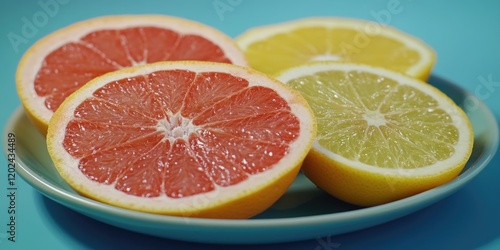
304 212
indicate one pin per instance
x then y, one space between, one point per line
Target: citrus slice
382 135
276 47
193 139
63 61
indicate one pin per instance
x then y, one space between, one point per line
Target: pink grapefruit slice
189 138
63 61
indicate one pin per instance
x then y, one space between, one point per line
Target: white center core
374 118
176 127
326 57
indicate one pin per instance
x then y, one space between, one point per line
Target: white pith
374 118
177 127
326 58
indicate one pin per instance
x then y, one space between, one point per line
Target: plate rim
403 206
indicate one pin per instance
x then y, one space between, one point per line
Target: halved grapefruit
63 61
187 138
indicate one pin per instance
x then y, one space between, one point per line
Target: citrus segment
63 61
382 136
161 137
276 47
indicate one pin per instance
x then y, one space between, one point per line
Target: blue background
465 35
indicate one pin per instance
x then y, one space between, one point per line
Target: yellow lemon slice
276 47
382 135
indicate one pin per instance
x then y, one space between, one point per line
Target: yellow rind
364 187
260 33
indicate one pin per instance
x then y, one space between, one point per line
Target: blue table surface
465 35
